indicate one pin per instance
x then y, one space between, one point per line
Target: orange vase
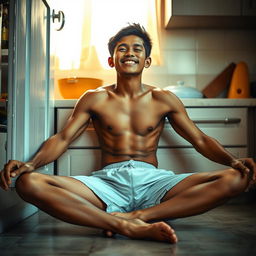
239 86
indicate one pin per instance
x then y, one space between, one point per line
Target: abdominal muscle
125 148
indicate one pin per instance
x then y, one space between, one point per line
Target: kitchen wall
195 56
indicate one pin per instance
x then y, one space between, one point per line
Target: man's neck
129 86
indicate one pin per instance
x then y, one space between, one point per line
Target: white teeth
129 62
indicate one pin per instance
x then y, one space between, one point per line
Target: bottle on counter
5 27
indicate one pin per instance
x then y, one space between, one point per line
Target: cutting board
239 86
219 83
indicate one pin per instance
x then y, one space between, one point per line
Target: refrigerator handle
60 16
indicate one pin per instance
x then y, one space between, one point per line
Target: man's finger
3 183
19 171
7 171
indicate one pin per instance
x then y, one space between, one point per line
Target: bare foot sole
138 229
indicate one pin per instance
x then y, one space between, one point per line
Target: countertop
216 102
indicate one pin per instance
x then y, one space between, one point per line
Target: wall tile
210 62
210 39
156 80
242 55
240 39
181 62
179 39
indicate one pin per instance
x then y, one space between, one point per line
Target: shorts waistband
133 163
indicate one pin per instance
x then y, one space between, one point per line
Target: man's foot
138 229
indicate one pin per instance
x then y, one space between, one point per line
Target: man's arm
53 147
204 144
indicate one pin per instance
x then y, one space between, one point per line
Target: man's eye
138 49
122 49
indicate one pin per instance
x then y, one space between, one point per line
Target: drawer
227 125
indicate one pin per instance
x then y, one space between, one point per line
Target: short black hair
132 29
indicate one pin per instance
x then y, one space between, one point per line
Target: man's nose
129 52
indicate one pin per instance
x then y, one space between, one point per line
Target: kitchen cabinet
209 14
226 124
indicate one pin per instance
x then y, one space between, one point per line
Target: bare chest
140 118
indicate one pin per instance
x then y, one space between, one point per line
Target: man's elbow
62 138
202 142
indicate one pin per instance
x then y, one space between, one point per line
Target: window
89 25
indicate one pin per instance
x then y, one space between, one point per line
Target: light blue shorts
131 185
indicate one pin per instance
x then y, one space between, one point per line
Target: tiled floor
227 230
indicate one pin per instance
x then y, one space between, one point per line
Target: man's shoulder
92 96
163 94
96 93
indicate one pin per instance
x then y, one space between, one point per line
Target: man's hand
13 169
247 167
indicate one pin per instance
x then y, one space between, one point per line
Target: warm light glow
90 24
68 41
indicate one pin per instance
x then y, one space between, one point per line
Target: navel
109 128
150 128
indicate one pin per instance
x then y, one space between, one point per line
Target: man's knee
234 182
28 184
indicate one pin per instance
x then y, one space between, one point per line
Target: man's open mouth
129 61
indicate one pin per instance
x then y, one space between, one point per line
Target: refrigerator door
30 106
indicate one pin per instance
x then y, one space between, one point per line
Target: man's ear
111 62
147 62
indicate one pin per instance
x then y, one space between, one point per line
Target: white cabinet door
30 109
189 160
79 162
29 105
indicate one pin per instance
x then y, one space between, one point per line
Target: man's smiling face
129 56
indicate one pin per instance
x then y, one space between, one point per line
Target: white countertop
216 102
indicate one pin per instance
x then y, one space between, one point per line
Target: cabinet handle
60 16
218 121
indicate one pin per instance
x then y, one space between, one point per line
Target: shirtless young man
128 117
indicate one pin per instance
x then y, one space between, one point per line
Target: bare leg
194 195
69 200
